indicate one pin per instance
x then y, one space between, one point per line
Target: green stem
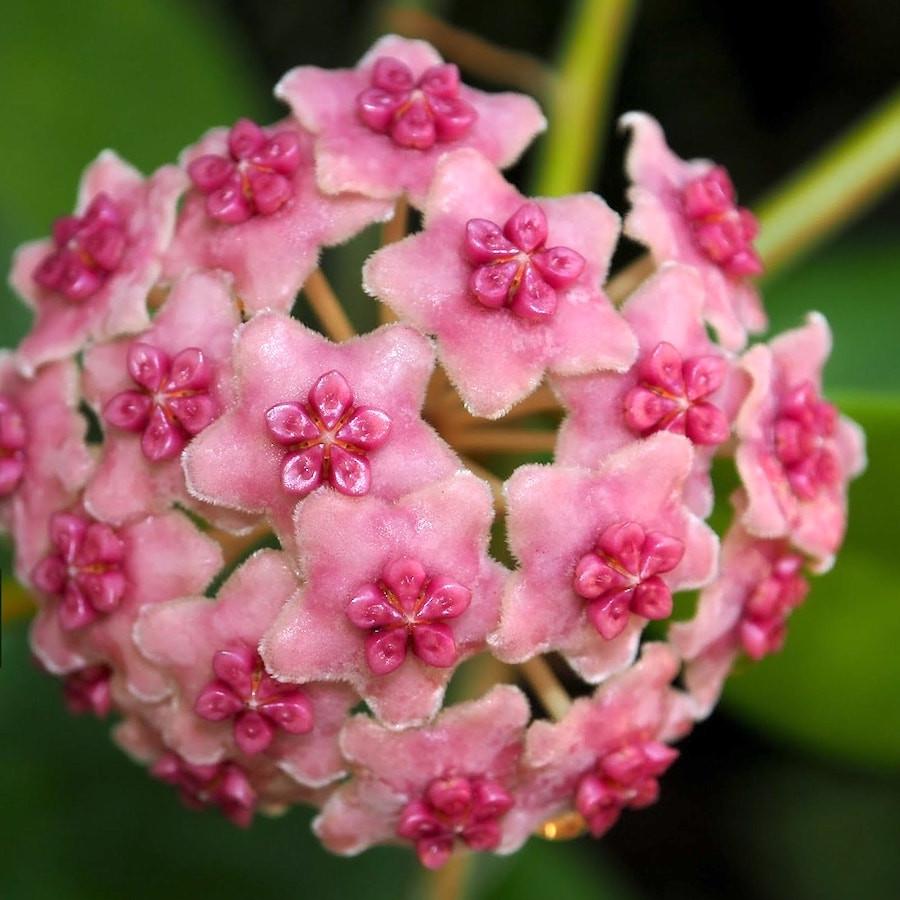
589 62
833 189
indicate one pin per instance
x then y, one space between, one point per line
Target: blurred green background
792 789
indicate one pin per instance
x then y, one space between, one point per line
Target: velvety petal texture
681 382
796 455
680 217
393 769
87 619
587 542
271 248
395 599
638 705
192 639
91 280
153 393
44 460
352 156
511 288
256 464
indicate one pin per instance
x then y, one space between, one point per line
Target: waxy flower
744 610
380 128
95 581
510 287
685 211
796 453
256 212
225 703
310 414
600 552
88 690
154 393
395 599
608 751
449 782
44 460
91 280
681 382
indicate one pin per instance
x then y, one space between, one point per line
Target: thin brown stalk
17 602
449 882
489 439
548 688
327 307
235 546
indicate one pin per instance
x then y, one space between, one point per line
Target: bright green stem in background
833 189
594 43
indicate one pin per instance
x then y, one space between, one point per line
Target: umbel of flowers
271 555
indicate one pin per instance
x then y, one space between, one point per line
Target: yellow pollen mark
565 827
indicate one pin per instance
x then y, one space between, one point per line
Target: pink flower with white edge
310 414
95 581
91 280
395 600
609 750
381 128
796 454
154 393
601 551
685 211
509 286
256 212
681 382
744 610
447 783
226 704
44 460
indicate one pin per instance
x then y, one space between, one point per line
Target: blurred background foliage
792 788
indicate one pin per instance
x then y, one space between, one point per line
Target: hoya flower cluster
269 562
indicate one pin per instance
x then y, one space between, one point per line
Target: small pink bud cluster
163 305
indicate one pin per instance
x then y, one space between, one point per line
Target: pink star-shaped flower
745 609
453 780
156 391
96 579
310 413
394 597
226 704
607 753
256 212
91 279
380 128
796 454
510 286
44 460
153 394
685 211
681 382
600 553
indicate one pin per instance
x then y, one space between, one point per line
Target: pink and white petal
479 737
408 696
594 658
417 55
770 504
704 676
52 646
357 815
800 354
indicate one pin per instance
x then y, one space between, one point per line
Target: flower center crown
88 249
514 269
405 608
416 114
328 438
173 404
254 179
723 231
671 395
84 570
451 808
621 575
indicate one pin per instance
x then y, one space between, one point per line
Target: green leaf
833 688
143 78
